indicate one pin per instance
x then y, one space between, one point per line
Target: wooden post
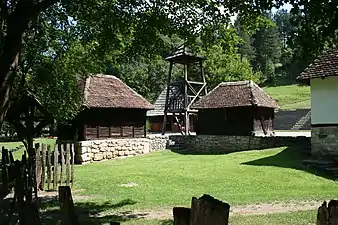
323 215
186 113
181 216
109 130
133 131
56 163
68 164
114 223
68 215
209 211
166 105
38 169
4 170
72 164
43 166
49 166
333 212
63 147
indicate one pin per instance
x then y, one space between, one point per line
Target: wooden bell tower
181 94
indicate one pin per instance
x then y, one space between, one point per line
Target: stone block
98 157
120 153
109 155
95 150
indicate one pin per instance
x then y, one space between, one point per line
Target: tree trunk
16 24
209 211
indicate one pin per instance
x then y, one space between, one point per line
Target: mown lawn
166 179
290 97
18 154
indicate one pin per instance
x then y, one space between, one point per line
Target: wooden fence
55 166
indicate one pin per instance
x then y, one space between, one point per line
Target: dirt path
257 209
166 213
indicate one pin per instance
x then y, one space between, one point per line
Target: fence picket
43 166
62 162
49 166
72 163
68 164
56 163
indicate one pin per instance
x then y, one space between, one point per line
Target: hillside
291 97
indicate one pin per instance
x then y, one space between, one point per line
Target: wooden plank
68 164
63 147
68 214
49 166
43 166
57 149
72 164
97 132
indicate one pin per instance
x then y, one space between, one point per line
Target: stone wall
217 144
98 150
324 141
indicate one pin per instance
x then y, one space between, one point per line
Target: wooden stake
49 166
181 216
209 211
68 215
56 163
43 166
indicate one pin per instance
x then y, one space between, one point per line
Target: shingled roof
324 66
107 91
236 94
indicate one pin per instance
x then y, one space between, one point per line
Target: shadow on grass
87 212
292 158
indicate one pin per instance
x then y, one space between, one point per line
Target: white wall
324 100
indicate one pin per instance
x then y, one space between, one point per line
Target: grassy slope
167 179
18 154
291 97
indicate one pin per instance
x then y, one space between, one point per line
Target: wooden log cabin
236 108
111 109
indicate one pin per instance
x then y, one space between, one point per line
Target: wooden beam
164 125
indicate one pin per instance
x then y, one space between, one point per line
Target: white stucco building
322 76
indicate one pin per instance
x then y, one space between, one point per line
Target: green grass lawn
290 97
18 154
166 179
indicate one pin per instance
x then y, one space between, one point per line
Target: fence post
64 146
68 164
72 163
43 166
38 168
68 215
56 163
209 211
49 166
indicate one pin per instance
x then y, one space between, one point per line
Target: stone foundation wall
216 144
98 150
324 141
